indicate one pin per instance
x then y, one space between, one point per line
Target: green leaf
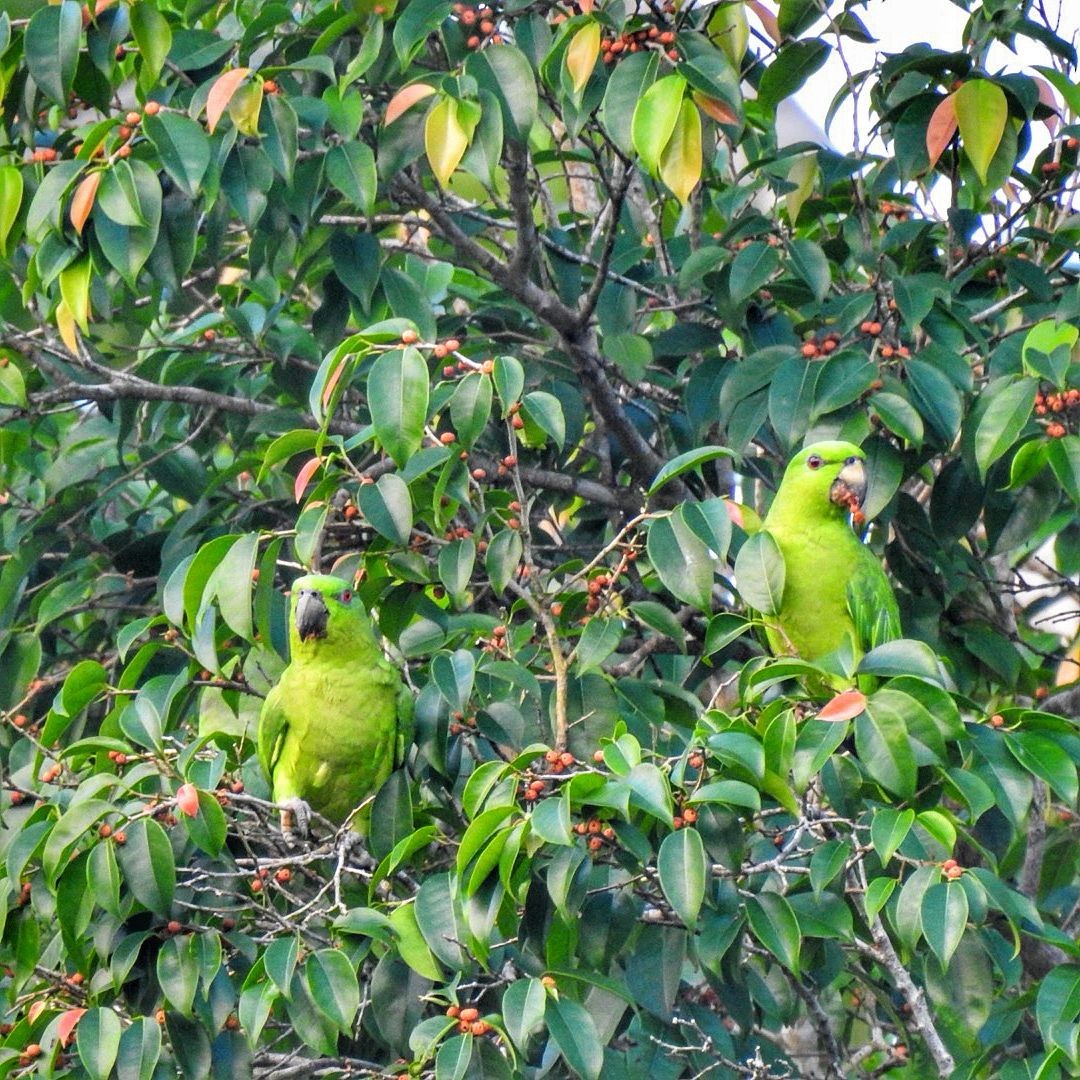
505 72
154 39
1064 457
350 167
1008 404
981 112
649 790
574 1033
1058 999
509 378
97 1041
333 985
884 750
683 870
387 505
542 412
178 973
692 459
681 560
12 383
453 674
11 193
146 860
827 862
774 925
502 559
944 918
888 830
599 640
809 262
397 387
523 1007
655 116
51 48
183 147
140 1049
456 562
794 64
759 573
752 269
418 19
877 895
1047 759
470 408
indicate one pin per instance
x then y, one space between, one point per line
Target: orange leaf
82 202
335 378
405 99
768 19
65 1026
715 108
187 795
221 94
35 1010
304 475
845 706
941 129
1049 99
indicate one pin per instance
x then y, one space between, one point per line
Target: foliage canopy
514 314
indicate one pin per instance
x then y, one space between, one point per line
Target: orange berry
270 87
598 756
447 437
487 367
132 118
517 423
595 843
124 131
479 474
409 337
556 609
452 1011
677 822
283 875
689 815
548 981
120 838
174 927
124 151
473 42
256 885
152 108
948 864
809 350
105 831
469 1015
567 759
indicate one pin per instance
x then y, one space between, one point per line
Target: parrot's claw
295 821
352 848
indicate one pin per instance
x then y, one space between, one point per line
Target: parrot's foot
295 821
351 846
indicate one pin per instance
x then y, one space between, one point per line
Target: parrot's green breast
340 718
834 586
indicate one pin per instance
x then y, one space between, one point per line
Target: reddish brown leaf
405 99
82 202
1049 99
845 706
941 129
768 19
221 94
65 1026
304 475
715 108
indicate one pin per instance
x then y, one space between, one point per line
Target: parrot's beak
311 615
849 488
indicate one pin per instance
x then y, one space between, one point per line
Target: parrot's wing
872 605
273 726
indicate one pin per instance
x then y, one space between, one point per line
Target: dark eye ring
814 462
851 460
346 596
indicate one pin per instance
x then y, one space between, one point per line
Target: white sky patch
900 23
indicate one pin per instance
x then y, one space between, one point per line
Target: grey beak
852 480
311 615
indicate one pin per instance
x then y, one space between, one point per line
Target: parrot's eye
851 460
346 596
814 462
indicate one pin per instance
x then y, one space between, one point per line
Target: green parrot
339 720
834 586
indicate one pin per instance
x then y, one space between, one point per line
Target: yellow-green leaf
11 192
75 289
65 323
655 116
680 161
730 30
445 139
581 54
802 174
244 107
981 112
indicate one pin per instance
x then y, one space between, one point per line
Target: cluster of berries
594 588
611 48
1061 405
596 831
952 869
469 1022
481 21
814 347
